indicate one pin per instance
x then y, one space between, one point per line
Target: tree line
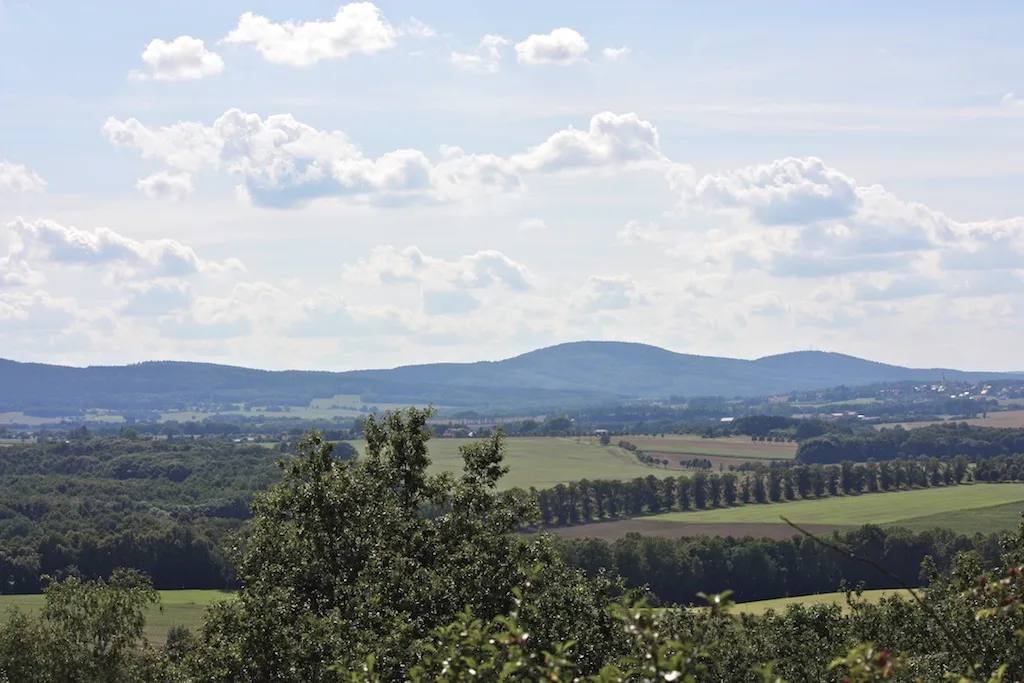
676 570
943 440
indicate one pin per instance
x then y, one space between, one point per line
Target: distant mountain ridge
575 372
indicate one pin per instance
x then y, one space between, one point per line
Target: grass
177 608
871 508
780 604
985 520
724 447
546 461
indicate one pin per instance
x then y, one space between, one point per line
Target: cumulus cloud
448 302
486 57
153 299
563 46
417 29
798 217
36 312
602 293
532 224
610 140
285 163
183 59
474 271
46 240
1011 100
358 28
15 272
17 178
616 54
164 185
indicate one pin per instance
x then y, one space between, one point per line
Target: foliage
341 563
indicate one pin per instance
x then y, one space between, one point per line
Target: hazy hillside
578 372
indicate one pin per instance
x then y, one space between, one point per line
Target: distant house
600 432
727 419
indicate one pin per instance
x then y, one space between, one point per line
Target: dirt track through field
613 530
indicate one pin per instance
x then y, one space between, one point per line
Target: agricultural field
1006 418
724 451
546 461
868 508
176 608
967 509
780 604
996 518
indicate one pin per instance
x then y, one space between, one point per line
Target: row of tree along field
344 576
601 499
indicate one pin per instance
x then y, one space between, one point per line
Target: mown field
546 461
967 509
176 608
693 446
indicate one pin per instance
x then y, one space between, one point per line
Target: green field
984 520
871 508
780 604
546 461
724 447
177 608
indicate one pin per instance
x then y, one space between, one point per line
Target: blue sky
319 185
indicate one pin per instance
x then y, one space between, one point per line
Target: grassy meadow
869 508
176 608
545 461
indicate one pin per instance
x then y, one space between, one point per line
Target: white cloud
418 29
15 272
48 241
164 185
610 140
153 299
36 312
563 46
801 218
358 28
486 57
285 163
17 178
616 54
1011 100
183 59
474 271
448 302
603 293
533 224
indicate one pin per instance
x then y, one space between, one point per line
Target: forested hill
580 372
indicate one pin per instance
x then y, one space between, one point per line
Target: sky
316 185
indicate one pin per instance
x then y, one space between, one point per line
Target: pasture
176 608
543 461
677 446
868 508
